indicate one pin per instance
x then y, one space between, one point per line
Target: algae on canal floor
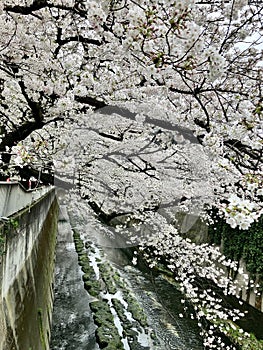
114 301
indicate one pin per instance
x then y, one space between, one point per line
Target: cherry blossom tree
144 108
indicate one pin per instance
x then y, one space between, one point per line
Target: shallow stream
73 326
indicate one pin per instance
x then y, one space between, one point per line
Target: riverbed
160 302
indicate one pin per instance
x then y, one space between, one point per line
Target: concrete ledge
14 197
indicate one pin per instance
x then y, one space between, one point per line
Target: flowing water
162 303
73 326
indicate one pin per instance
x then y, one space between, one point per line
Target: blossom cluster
240 212
21 155
175 76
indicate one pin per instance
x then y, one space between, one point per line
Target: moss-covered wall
237 244
246 247
26 276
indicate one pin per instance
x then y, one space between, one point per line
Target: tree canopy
174 70
149 107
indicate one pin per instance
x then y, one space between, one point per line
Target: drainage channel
120 320
72 324
105 303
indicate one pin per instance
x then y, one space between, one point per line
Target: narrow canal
73 324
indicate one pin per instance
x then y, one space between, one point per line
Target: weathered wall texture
14 197
26 276
250 293
192 227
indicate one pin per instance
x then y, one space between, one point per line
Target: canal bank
28 237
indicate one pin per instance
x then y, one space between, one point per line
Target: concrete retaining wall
249 292
26 276
14 197
192 227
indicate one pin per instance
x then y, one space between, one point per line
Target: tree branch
35 6
35 107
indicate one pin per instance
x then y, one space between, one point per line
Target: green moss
108 338
14 223
118 281
87 269
83 259
131 334
120 311
114 346
110 281
86 277
79 245
240 243
243 340
93 287
160 268
97 305
2 243
41 329
107 335
107 274
135 309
